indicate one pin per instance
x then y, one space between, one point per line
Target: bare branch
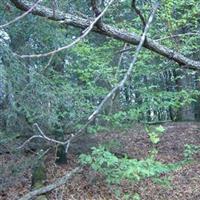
21 16
43 136
122 82
178 35
48 64
120 60
131 38
138 13
61 181
128 73
125 50
27 141
84 34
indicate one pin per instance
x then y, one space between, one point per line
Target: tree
67 66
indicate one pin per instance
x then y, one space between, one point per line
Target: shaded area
134 143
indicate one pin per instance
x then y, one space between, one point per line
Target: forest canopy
70 68
48 54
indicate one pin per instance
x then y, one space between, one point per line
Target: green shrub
190 150
154 135
118 169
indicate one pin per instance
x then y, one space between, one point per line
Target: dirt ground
185 182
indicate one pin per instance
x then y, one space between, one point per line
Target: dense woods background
59 92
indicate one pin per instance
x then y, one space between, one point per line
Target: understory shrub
117 169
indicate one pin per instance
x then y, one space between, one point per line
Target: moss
41 197
38 177
38 174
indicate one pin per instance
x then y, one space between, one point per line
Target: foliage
165 182
59 92
62 95
190 150
118 169
155 135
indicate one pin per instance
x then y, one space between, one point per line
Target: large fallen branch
52 186
131 38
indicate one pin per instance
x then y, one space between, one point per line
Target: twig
138 13
27 141
48 64
177 35
48 138
43 136
52 186
125 50
84 34
21 16
120 60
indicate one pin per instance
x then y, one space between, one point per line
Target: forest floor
185 182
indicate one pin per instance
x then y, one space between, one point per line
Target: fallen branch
104 29
43 136
52 186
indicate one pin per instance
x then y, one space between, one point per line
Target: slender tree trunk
197 104
186 112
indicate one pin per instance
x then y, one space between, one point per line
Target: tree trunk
197 104
186 112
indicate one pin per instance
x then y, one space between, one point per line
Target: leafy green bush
118 169
154 135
